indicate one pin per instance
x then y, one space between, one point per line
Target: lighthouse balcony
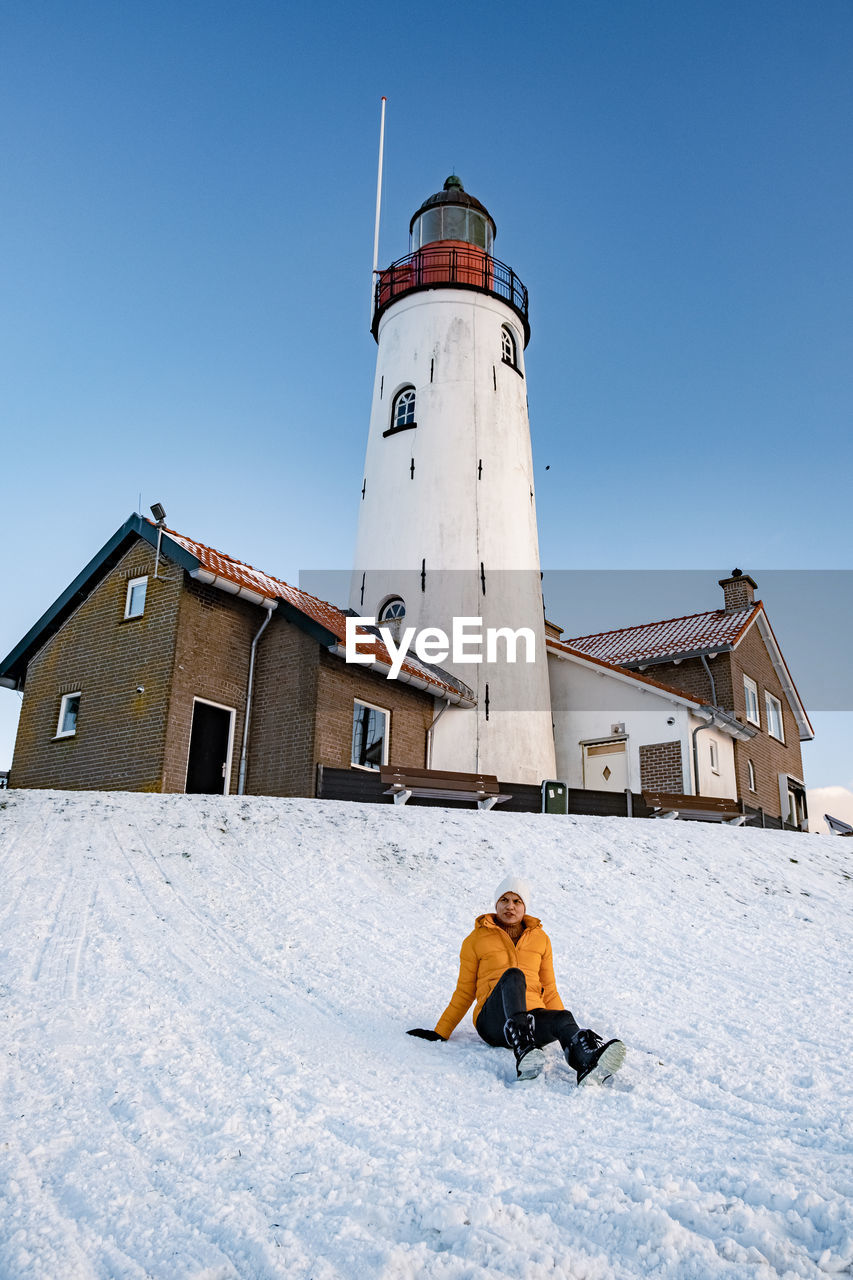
450 265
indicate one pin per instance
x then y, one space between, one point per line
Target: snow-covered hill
204 1071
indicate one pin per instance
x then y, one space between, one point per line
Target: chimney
739 591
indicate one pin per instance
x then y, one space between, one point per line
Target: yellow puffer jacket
486 954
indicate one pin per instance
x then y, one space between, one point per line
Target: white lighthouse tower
447 521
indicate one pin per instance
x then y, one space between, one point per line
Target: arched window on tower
403 411
509 350
391 614
393 608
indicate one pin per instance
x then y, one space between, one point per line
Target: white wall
447 344
469 502
586 701
723 783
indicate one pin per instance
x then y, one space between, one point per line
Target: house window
715 757
134 603
392 609
369 736
69 709
793 810
750 769
750 693
509 351
774 717
403 410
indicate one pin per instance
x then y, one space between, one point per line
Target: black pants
509 997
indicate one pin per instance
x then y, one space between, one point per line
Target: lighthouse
447 540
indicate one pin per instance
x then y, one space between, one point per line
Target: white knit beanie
515 884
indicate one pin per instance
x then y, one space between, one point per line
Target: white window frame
794 817
221 706
386 616
751 688
508 340
750 773
63 705
714 752
771 705
369 768
406 400
128 599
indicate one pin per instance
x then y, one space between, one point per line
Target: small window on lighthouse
392 609
403 410
509 353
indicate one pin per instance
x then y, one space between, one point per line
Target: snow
205 1076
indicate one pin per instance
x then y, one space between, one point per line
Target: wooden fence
367 787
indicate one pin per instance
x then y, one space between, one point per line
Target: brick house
730 659
619 730
143 674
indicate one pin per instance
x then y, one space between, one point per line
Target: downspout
241 778
709 724
700 727
704 662
429 734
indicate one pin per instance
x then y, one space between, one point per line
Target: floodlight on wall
158 511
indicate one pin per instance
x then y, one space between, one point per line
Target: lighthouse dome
452 214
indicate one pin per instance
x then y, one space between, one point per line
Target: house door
605 766
210 749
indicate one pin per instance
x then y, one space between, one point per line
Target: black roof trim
13 668
289 613
632 664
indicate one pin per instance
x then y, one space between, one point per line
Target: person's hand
425 1035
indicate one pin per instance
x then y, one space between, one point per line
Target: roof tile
653 641
327 615
562 646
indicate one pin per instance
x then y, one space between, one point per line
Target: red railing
459 266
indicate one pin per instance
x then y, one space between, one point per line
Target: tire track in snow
259 977
60 956
201 921
238 996
14 835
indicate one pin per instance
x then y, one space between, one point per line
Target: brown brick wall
215 633
339 684
660 767
281 755
769 756
691 677
120 737
738 593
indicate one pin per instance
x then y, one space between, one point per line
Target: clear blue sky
187 218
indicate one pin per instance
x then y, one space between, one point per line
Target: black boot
518 1033
592 1059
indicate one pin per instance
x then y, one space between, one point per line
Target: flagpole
378 204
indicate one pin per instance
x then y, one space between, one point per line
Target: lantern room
452 214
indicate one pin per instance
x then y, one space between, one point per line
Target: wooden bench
403 782
665 804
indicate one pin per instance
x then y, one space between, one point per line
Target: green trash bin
555 796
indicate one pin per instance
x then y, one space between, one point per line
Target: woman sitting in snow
507 967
